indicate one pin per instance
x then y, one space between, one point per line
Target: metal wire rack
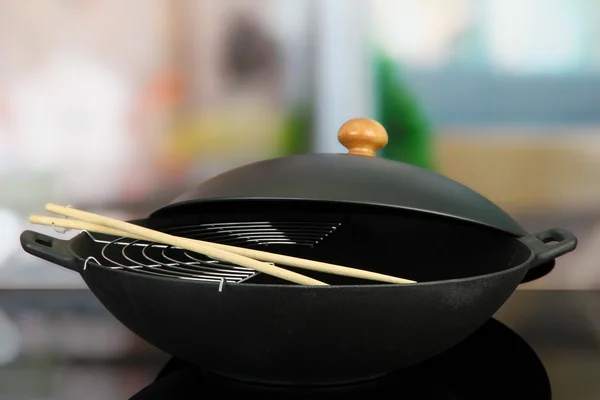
174 262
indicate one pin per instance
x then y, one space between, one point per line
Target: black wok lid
356 177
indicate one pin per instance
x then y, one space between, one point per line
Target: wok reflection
493 363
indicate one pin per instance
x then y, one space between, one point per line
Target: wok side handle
50 249
549 244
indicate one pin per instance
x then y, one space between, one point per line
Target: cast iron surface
288 334
291 334
347 179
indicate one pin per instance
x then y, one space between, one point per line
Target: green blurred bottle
409 131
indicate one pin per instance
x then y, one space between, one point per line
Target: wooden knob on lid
363 136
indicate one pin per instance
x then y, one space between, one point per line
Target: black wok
266 330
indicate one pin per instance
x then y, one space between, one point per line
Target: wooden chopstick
254 254
195 246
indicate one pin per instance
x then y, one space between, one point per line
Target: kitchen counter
64 345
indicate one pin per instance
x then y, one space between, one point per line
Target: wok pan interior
407 244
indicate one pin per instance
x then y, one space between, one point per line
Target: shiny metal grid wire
170 261
252 234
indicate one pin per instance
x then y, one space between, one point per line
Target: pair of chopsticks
249 258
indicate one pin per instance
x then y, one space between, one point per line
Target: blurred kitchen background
118 107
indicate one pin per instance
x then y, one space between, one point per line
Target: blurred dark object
249 51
